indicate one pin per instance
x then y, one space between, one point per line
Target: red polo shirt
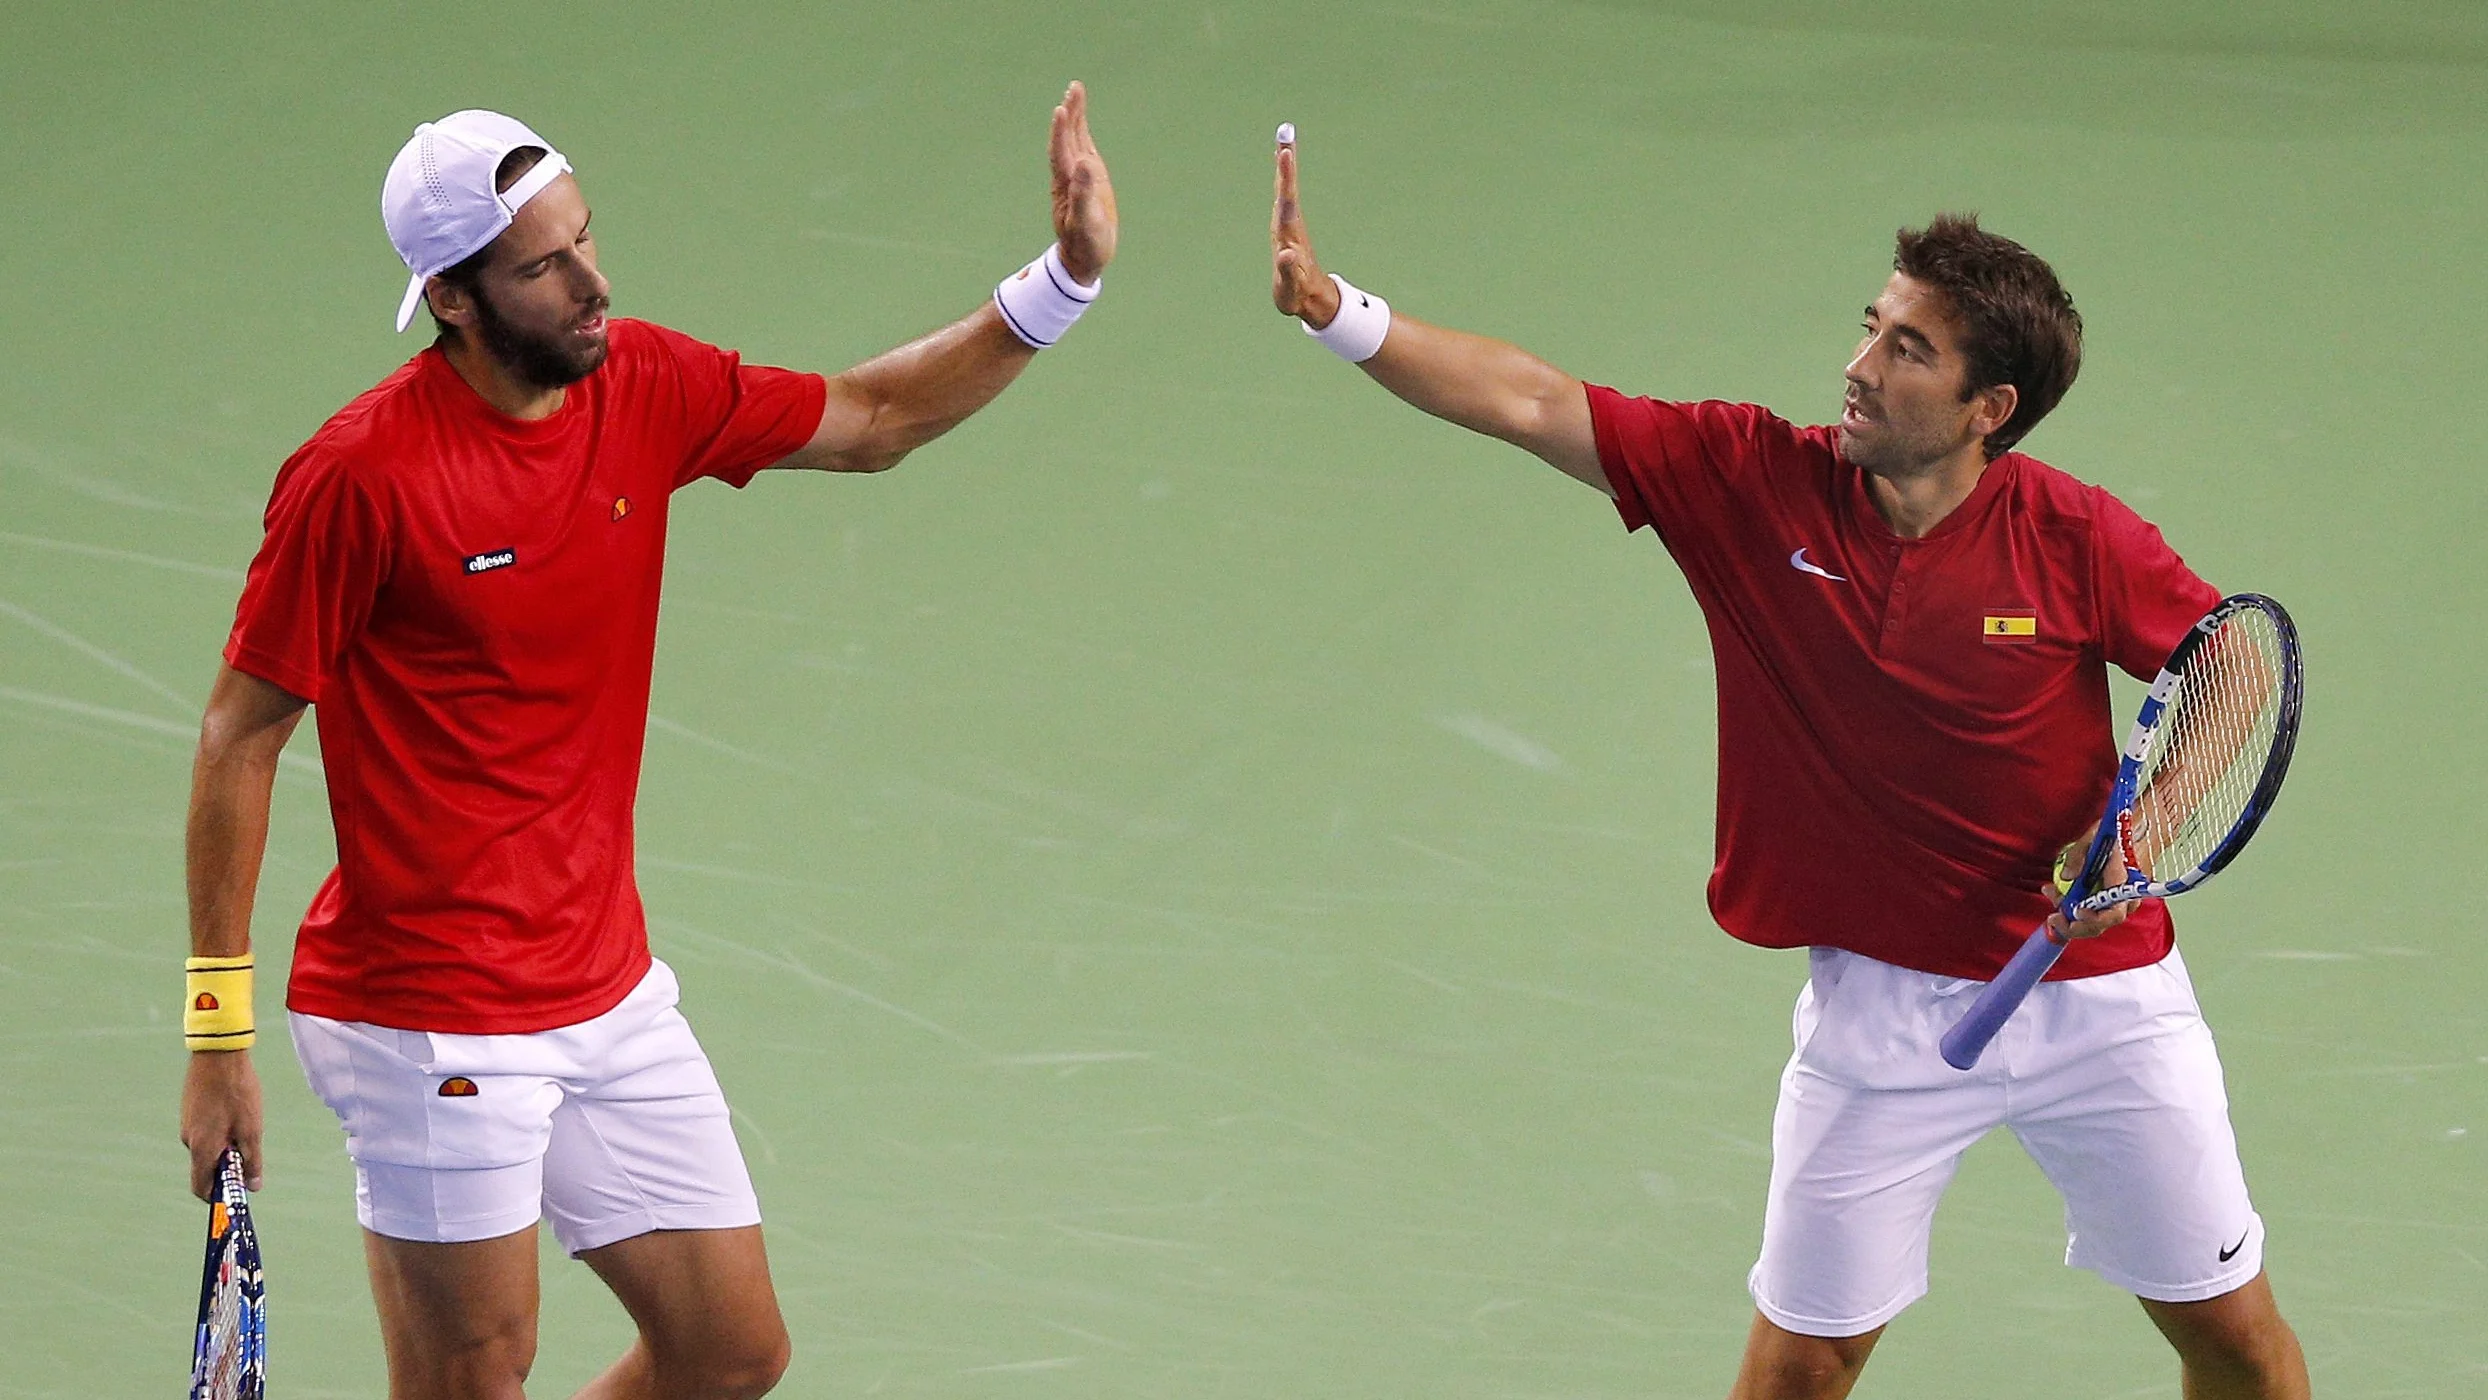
471 602
1908 729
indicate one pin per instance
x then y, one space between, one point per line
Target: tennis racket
2200 769
229 1360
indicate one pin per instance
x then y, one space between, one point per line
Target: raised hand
1084 217
1298 286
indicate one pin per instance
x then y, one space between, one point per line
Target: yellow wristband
216 1010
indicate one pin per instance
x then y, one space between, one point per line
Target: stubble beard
1893 454
541 361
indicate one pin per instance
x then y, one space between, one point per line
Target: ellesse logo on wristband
495 559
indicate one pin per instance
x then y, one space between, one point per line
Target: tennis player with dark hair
1911 624
461 571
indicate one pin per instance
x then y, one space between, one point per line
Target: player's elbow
1533 415
862 430
246 718
869 458
218 733
884 437
227 739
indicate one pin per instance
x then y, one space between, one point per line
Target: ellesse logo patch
487 562
206 1002
458 1086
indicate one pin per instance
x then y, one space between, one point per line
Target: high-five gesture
1483 385
1298 286
1084 218
881 410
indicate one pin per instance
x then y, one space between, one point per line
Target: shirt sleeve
311 588
738 418
2145 594
1677 466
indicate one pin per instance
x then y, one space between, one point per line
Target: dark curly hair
2018 324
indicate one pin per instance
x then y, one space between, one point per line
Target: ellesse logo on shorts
495 559
458 1086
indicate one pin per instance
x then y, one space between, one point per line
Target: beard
1894 450
544 361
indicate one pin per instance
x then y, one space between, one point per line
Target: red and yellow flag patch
2009 626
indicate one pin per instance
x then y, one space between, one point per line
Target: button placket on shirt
1896 597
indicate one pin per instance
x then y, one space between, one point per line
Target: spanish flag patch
2008 628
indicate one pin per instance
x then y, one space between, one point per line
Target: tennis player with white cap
461 570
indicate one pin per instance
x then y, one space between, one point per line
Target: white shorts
610 1128
2111 1084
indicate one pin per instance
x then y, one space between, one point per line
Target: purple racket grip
1964 1043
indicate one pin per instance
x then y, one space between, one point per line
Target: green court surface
1193 883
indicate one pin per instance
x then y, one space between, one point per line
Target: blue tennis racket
2200 769
229 1359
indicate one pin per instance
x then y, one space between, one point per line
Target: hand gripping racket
2201 767
229 1360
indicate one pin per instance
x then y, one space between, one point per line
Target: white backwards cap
439 202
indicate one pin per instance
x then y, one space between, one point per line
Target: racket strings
221 1361
2214 741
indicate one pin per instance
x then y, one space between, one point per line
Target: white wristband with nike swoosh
1357 331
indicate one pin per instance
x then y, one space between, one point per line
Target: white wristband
1040 301
1357 331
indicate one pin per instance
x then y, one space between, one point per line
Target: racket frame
251 1323
1969 1038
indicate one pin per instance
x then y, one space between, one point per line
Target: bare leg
2235 1346
1784 1365
458 1320
708 1318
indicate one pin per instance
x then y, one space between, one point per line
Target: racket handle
1964 1043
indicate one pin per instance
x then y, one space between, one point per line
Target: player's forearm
231 783
899 400
245 729
226 841
2229 701
1489 386
1484 385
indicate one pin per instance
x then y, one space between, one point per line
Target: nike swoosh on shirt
1799 562
2231 1252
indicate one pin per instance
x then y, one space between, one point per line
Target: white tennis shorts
2111 1084
610 1128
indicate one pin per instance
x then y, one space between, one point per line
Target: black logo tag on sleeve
496 559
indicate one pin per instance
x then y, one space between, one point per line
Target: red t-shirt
471 602
1908 729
